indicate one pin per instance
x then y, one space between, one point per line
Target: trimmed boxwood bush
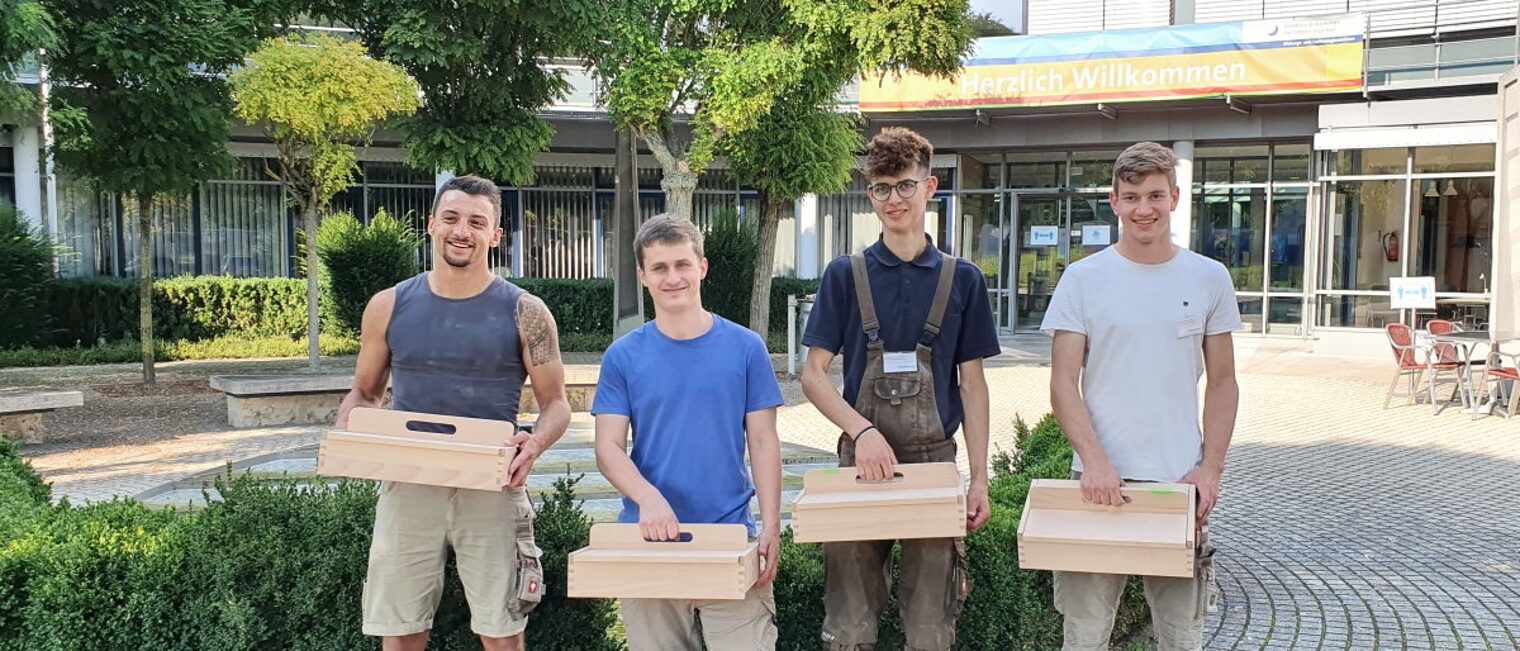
87 311
359 260
277 565
26 264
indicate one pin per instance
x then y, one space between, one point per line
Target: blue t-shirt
686 401
903 292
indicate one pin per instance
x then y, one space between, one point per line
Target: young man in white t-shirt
1134 327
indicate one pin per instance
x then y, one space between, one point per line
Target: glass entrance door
1052 231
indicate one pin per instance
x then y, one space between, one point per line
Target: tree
984 24
318 97
721 65
800 147
140 108
480 65
27 29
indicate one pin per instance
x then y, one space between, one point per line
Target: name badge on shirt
899 362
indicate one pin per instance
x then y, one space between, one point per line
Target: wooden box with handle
1152 534
419 448
710 561
922 500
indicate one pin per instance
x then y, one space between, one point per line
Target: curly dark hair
896 149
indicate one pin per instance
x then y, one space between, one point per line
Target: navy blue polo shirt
903 292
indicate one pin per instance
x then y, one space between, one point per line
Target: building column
28 159
807 236
1182 217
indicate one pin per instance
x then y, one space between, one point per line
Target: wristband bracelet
863 432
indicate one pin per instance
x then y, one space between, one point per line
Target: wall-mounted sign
1044 235
1413 293
1096 235
1260 57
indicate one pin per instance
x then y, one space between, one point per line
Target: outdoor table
1467 342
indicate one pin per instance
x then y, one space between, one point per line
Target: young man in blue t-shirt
696 388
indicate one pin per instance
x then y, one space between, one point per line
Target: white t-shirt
1145 325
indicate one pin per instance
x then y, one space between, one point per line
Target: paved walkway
1341 525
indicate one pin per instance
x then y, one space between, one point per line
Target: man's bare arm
1100 482
540 352
874 458
1221 399
373 369
978 426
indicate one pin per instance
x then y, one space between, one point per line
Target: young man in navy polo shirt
696 389
914 325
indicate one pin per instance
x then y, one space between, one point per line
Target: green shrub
26 264
280 565
86 311
730 246
360 260
271 566
580 306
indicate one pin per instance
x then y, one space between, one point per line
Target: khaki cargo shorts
747 624
415 526
1178 606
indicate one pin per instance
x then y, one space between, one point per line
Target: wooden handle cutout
431 427
896 478
684 537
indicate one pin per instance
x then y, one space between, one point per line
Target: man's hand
1206 479
874 460
770 553
657 522
529 448
978 507
1101 483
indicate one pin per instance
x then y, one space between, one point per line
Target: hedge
277 565
88 311
26 262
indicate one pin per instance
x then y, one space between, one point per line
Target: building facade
1366 153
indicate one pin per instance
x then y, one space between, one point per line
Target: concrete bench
580 392
264 400
21 411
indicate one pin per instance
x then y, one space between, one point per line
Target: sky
1009 12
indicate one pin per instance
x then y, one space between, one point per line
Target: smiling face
464 228
673 272
1145 208
903 216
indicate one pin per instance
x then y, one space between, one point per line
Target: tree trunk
145 283
313 326
677 180
765 261
680 185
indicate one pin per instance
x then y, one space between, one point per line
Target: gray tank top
457 357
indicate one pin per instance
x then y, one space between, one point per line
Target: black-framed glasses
906 188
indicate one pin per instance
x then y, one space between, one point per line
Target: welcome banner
1259 57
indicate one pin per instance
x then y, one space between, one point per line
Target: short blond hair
1143 159
666 228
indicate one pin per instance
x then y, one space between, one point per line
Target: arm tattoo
536 327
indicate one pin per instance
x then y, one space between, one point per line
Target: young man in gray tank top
458 340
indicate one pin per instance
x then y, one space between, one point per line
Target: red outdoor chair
1502 366
1410 367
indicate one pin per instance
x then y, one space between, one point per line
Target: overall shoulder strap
868 322
941 299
